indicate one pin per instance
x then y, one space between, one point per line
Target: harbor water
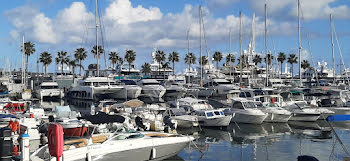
248 142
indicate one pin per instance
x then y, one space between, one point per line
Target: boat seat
99 138
76 142
156 135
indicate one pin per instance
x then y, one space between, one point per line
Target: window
217 113
238 105
210 114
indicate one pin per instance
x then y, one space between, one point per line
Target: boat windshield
249 105
49 87
151 83
301 104
223 82
201 106
273 105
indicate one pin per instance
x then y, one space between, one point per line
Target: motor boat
130 91
270 104
183 119
95 87
174 89
49 89
245 111
301 111
205 113
152 88
127 146
221 87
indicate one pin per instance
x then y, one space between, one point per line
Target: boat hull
215 122
304 117
271 117
249 119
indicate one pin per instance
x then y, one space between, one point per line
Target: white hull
153 91
130 92
271 117
304 117
42 93
136 149
247 118
215 122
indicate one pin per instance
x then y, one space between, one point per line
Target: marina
177 103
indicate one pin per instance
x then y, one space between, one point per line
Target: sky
143 25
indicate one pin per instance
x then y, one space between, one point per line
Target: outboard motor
6 144
167 121
139 122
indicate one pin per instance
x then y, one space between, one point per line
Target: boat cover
102 118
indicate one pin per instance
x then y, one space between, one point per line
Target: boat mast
97 50
332 41
200 44
229 52
266 54
23 62
299 37
240 48
188 42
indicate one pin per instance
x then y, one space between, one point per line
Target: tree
190 58
230 58
217 57
257 60
165 65
146 68
114 58
29 49
174 57
160 57
62 59
46 59
305 64
80 54
130 57
292 59
281 58
73 63
97 56
269 58
244 62
204 60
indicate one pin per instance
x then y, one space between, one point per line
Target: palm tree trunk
62 68
27 64
281 68
292 70
80 67
129 67
159 68
173 68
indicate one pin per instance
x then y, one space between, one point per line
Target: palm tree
217 57
160 57
281 58
46 59
130 57
80 54
174 57
146 68
305 64
230 58
292 59
113 57
97 56
269 58
257 60
29 49
204 60
165 65
73 63
244 62
62 59
190 59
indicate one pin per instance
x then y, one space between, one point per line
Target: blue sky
142 25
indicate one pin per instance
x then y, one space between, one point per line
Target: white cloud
311 9
135 27
122 12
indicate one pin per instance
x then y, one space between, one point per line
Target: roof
49 84
190 100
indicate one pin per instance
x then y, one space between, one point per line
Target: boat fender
153 153
25 147
88 157
55 136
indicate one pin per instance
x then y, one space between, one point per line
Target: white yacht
205 113
301 111
174 89
133 146
221 87
271 104
245 111
130 91
152 87
93 87
49 89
